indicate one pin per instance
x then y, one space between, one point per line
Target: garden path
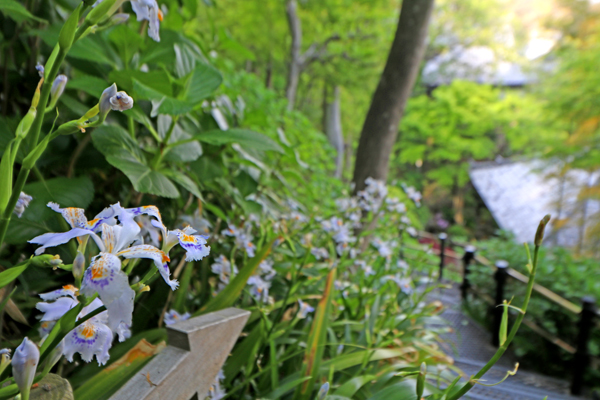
470 346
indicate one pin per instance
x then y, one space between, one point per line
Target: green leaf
67 33
232 291
124 153
244 137
183 180
91 49
6 176
404 390
203 82
215 210
350 387
161 103
18 12
315 344
13 273
284 389
89 84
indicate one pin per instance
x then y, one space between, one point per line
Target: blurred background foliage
218 77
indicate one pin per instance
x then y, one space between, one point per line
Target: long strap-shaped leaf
232 292
316 341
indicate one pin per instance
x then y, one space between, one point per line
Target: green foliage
562 273
463 122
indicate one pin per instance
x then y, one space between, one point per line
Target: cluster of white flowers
243 237
260 282
371 198
412 194
117 235
223 268
341 233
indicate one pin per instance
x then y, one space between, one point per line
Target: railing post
467 258
581 357
500 277
442 238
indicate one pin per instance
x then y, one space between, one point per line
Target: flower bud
121 102
22 203
25 362
104 105
539 234
4 359
40 69
55 261
323 391
57 89
117 19
78 265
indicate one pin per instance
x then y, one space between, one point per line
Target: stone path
470 346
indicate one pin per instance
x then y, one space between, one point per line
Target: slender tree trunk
295 67
395 85
333 129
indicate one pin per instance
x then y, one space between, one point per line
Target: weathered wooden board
187 367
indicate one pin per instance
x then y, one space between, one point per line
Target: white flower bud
121 102
58 88
4 359
104 105
120 18
40 69
78 265
25 362
22 203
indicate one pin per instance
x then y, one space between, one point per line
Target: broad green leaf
92 49
161 103
9 275
244 137
350 387
215 210
158 81
232 291
123 152
17 11
91 85
203 82
183 180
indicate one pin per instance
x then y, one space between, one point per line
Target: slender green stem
164 144
510 337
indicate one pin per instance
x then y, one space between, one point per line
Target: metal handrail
588 314
547 293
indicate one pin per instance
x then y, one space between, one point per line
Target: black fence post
467 258
442 238
500 277
581 357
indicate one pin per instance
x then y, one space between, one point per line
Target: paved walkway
470 346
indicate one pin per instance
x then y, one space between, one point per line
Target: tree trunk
333 129
295 56
395 85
